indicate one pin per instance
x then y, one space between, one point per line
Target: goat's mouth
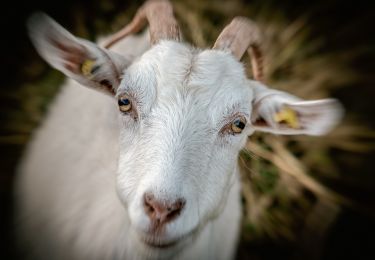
156 243
162 241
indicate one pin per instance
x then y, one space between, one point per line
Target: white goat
148 171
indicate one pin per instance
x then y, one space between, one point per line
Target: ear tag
87 68
289 116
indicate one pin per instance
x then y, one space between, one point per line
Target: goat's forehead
185 65
175 66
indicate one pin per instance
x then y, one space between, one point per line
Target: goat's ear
79 59
280 113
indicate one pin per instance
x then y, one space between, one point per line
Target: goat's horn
240 35
159 14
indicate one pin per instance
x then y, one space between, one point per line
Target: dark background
343 24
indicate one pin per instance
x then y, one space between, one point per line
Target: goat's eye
124 104
238 125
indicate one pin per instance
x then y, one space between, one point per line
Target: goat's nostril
162 212
174 210
149 208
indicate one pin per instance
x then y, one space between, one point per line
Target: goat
142 164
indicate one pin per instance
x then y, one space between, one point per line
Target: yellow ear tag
86 68
289 116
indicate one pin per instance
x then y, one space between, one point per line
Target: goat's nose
162 211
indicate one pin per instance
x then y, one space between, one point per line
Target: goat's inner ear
260 122
282 116
79 59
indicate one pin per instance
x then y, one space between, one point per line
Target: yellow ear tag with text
86 68
288 116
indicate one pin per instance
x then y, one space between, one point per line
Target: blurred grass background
304 197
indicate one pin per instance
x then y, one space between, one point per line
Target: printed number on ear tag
287 116
87 68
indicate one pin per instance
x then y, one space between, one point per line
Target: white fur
82 180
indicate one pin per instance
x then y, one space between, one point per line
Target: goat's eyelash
234 124
128 105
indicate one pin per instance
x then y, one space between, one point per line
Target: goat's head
184 115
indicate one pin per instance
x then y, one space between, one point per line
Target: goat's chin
160 246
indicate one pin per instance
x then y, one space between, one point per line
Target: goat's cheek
127 180
128 135
219 181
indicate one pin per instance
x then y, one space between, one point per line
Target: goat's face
184 115
180 138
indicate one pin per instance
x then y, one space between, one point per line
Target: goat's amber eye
238 125
124 104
